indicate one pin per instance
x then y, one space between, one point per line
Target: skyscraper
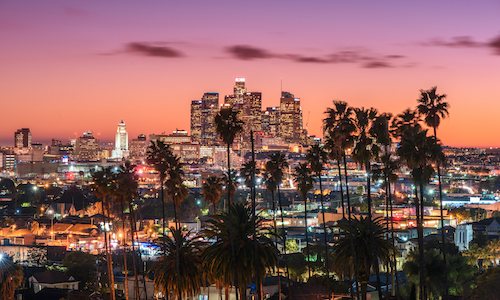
252 116
22 138
271 121
121 142
196 126
209 109
87 147
290 118
236 100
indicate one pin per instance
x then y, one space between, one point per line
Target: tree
212 191
305 183
11 277
339 124
180 270
81 265
418 151
317 157
125 189
215 256
103 189
460 273
275 166
38 255
228 125
364 238
159 155
433 107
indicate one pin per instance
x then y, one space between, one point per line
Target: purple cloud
495 45
147 49
245 52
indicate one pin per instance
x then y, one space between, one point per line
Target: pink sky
70 66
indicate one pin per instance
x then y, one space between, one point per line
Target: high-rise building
271 121
290 118
236 100
252 116
87 147
22 138
138 148
196 126
209 109
121 142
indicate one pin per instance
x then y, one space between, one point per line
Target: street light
51 212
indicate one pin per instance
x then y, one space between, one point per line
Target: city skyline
74 67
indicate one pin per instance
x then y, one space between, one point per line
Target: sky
71 66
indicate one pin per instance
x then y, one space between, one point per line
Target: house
463 236
54 280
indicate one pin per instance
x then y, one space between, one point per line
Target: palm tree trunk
132 230
124 250
327 264
256 252
373 253
177 259
108 254
307 239
164 231
284 241
341 189
231 238
395 265
421 243
349 221
276 243
443 242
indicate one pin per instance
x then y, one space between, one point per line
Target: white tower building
121 142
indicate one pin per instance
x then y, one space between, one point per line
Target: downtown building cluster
275 126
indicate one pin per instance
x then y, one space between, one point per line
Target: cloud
310 59
245 52
455 42
74 12
376 65
495 45
148 49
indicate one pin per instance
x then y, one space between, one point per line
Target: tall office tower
252 116
87 147
209 109
271 121
290 118
121 142
236 100
138 148
22 138
196 121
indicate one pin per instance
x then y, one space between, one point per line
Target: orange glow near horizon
74 67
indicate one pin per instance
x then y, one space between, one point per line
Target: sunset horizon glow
69 66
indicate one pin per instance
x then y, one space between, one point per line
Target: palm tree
180 269
271 186
175 186
339 124
335 152
11 277
103 189
212 190
215 257
275 167
159 155
418 151
125 190
346 261
228 125
305 183
317 157
433 107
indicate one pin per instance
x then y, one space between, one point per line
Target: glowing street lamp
51 212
